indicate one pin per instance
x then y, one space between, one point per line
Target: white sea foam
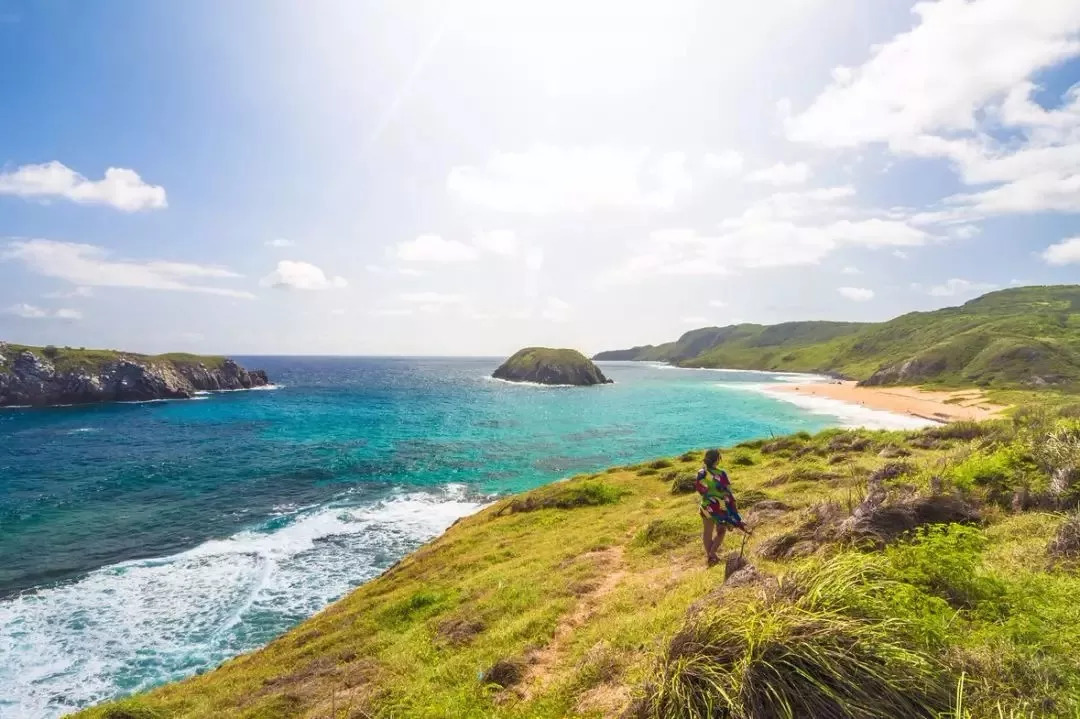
75 644
848 414
81 430
541 385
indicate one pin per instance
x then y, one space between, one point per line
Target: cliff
550 366
894 574
43 376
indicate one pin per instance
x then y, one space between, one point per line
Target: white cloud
430 298
31 312
782 174
120 188
295 275
900 254
74 292
406 271
499 242
939 75
556 310
552 179
856 294
90 266
717 303
1065 252
390 312
946 89
751 244
957 286
280 242
726 163
850 270
434 248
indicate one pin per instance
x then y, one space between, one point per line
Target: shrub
965 430
647 472
50 351
946 562
689 456
819 655
661 535
563 495
660 464
684 484
741 459
1066 542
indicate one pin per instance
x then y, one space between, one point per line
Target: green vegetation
894 574
550 366
69 359
1016 338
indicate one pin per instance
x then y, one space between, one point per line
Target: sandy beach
940 406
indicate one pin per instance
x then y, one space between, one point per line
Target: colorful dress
717 501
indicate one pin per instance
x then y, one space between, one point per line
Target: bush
741 459
647 472
660 464
661 535
685 484
821 654
1066 542
946 561
50 351
563 495
965 430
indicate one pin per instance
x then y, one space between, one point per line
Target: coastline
932 405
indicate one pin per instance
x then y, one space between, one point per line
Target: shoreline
933 405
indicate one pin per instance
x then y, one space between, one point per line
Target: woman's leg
718 540
707 525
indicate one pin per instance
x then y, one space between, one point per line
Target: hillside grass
590 597
70 359
1025 337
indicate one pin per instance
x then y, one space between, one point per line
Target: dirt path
543 660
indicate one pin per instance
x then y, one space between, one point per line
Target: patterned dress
717 501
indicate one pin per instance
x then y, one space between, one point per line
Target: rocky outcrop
30 378
550 366
913 371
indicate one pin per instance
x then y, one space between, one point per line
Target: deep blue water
143 542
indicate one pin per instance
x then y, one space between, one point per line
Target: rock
893 453
78 377
550 366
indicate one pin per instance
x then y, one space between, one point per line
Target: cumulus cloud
91 266
294 275
499 242
781 174
856 294
120 188
1066 252
32 312
435 248
551 179
955 287
726 163
946 90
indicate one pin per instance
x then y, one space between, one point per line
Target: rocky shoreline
29 377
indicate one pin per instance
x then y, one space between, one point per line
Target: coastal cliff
550 366
44 376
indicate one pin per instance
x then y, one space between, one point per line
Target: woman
718 509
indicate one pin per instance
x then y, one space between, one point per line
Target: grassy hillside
70 358
1023 337
924 574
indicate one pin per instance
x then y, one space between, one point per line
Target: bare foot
712 560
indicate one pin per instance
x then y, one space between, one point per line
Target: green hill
1018 338
929 574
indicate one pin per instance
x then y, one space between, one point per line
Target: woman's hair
712 456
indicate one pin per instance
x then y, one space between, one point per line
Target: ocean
144 542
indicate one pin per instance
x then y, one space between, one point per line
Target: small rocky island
550 366
44 376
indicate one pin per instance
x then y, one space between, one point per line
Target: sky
467 178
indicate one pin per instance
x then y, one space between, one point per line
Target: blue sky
346 177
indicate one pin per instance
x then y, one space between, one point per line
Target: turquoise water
140 543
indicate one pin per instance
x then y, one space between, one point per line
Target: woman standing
718 508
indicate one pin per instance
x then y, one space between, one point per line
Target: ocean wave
848 414
777 375
75 644
541 385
